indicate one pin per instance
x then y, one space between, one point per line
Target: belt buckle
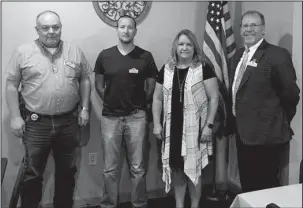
34 117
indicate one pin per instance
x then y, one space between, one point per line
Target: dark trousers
259 165
56 134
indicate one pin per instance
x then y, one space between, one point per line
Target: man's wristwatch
84 108
210 125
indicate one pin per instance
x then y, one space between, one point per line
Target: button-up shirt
251 52
49 82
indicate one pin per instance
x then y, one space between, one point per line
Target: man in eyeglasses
54 78
263 99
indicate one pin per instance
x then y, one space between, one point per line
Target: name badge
252 63
70 64
133 71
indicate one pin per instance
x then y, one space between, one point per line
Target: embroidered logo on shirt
133 71
69 63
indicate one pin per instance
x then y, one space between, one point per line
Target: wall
295 156
82 26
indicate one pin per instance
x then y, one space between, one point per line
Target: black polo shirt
125 77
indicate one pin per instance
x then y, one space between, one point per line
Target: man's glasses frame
46 28
252 26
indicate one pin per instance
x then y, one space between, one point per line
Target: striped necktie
239 78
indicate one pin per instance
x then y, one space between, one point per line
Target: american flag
218 48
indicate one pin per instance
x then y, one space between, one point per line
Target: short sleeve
152 68
160 76
85 67
99 69
13 70
208 72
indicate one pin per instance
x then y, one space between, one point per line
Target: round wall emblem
110 11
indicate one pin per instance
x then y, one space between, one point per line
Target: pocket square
252 63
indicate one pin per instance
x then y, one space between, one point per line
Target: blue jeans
59 135
115 131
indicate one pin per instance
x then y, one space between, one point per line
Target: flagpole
214 196
218 49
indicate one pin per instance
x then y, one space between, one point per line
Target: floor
224 200
169 202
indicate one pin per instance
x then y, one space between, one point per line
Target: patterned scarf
195 109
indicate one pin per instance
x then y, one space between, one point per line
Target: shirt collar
254 47
44 48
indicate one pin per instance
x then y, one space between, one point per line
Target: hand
158 131
83 117
207 134
18 126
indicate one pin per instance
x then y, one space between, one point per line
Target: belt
35 116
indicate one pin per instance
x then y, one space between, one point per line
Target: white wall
82 26
295 156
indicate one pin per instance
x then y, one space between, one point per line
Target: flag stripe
219 47
210 55
214 45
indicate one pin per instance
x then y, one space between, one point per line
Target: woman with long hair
187 93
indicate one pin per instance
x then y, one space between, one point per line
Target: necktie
239 78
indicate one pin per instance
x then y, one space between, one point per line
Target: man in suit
263 100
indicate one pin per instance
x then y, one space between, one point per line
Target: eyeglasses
252 26
45 28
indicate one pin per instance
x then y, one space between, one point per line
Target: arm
12 98
284 80
85 91
95 99
99 76
212 93
150 86
12 94
85 97
151 78
157 109
99 85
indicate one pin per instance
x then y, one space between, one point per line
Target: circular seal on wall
110 11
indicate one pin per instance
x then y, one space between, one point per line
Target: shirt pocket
72 70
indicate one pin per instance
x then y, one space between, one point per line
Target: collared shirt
251 52
49 82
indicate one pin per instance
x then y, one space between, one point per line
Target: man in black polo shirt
122 72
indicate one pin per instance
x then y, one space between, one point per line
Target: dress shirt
251 52
49 82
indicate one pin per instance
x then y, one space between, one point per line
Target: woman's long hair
197 57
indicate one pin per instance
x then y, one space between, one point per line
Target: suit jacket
266 99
